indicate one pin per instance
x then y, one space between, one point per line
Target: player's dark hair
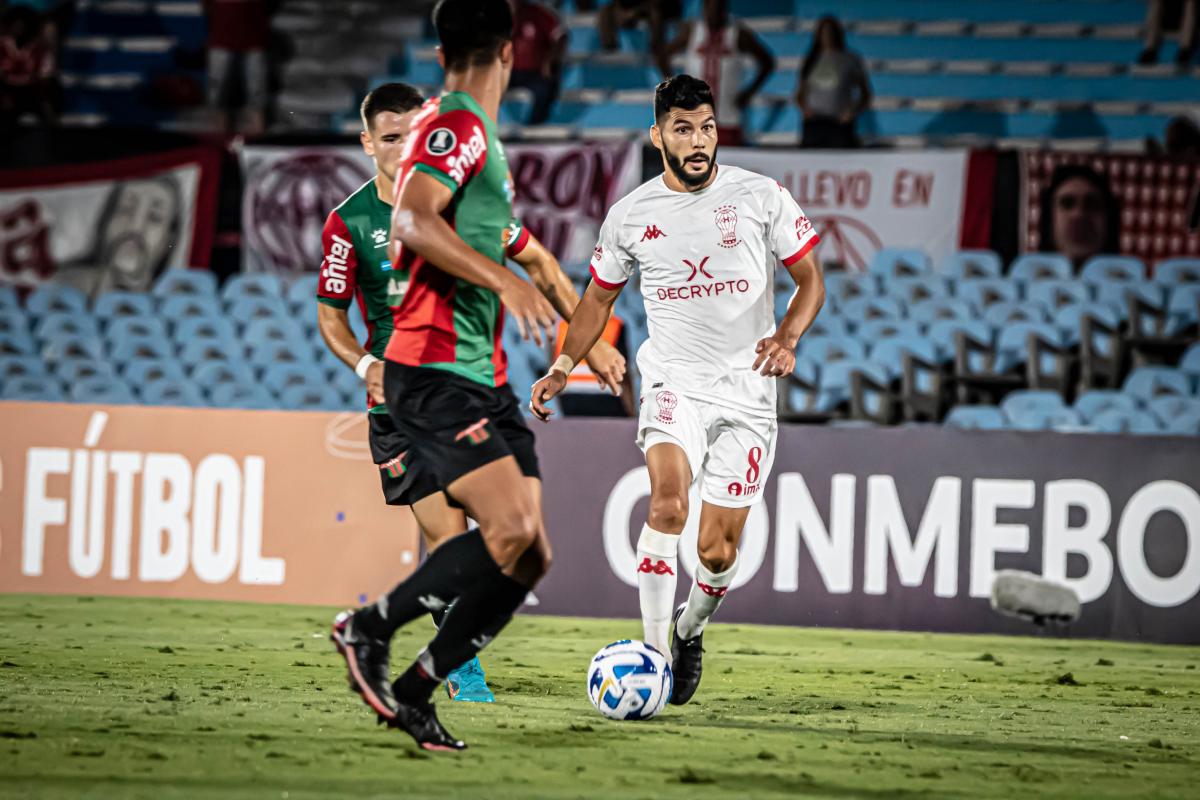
681 91
1112 206
395 97
472 32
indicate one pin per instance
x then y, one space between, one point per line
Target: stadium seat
183 306
1005 313
54 297
62 323
244 310
944 333
1055 294
172 392
140 371
72 370
1044 419
836 377
209 374
1118 420
928 312
984 418
1039 345
64 345
102 391
8 298
1190 363
185 282
876 330
827 324
240 395
1183 309
124 304
802 396
983 292
251 284
1109 269
1041 267
131 347
1024 401
277 377
1176 271
217 329
972 264
310 397
302 294
32 389
826 351
911 291
845 286
1120 294
1097 401
198 351
19 366
13 320
1170 407
863 309
264 354
272 330
17 343
145 327
1147 383
895 262
1183 425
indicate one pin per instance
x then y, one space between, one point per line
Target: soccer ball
629 680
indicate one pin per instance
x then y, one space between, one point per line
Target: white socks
707 593
658 564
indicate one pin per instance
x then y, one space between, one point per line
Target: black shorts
404 480
456 425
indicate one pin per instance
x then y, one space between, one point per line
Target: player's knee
669 511
718 556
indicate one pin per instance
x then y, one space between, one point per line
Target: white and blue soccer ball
630 680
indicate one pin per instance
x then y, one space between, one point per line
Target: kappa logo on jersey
598 254
334 272
468 156
666 406
659 567
803 226
712 591
698 268
380 237
652 232
440 141
726 219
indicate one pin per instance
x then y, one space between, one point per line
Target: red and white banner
861 201
562 194
110 224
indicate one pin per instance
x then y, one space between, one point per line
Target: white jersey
707 262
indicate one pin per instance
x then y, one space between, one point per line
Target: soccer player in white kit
707 239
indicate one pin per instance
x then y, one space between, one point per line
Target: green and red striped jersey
444 322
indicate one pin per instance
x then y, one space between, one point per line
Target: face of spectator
827 37
138 232
385 140
1080 222
688 140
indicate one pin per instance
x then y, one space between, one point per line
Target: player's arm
605 361
336 285
418 224
587 325
776 355
749 43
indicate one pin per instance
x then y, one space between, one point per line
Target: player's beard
689 179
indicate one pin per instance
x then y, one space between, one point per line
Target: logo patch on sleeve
440 141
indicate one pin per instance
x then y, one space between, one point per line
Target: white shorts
730 451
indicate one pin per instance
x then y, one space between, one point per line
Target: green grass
157 698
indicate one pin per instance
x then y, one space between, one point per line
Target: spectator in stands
28 66
1160 14
539 46
1080 216
618 14
238 34
833 89
713 48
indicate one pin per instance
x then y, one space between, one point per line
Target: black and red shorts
404 480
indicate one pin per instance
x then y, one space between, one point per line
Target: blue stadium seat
1097 401
209 374
146 327
1069 320
983 418
1107 269
141 371
1184 425
124 304
131 347
72 370
1190 363
1041 267
1183 308
845 286
251 284
14 366
1006 313
983 292
302 294
897 262
102 391
54 297
63 345
277 377
1118 420
1169 407
1175 271
1119 294
218 329
310 397
172 392
917 290
185 282
971 265
1054 294
198 351
928 312
827 324
8 298
272 330
178 307
861 309
1012 345
63 323
32 389
876 330
803 394
347 382
13 320
244 310
943 333
1042 419
241 395
264 354
825 351
1025 400
891 353
1147 383
835 377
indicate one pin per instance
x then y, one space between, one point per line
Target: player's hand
529 309
774 358
375 382
608 365
544 391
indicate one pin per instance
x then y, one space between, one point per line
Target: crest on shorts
440 141
726 219
666 406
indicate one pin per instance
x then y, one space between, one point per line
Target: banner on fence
108 225
563 192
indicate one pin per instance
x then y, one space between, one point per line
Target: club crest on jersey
726 219
666 406
440 141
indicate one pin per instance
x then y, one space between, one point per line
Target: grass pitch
156 698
